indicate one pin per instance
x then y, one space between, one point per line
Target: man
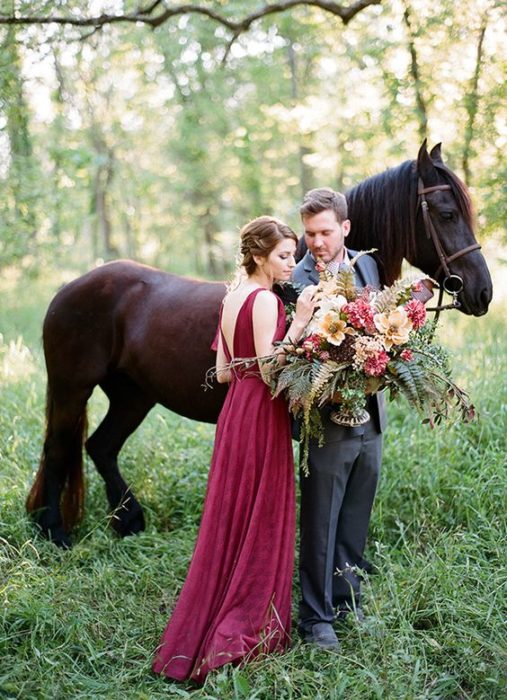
337 496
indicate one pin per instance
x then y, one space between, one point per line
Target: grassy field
84 623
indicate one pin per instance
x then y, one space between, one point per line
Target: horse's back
80 320
153 326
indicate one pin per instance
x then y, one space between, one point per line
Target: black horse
144 336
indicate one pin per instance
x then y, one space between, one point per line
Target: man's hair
321 199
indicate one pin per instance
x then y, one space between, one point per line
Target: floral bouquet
358 342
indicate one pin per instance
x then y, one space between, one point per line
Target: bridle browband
452 284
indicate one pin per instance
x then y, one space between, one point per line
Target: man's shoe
323 636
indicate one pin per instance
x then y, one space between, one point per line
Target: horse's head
444 245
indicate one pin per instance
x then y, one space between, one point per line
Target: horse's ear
436 154
425 168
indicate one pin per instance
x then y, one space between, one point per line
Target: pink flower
359 314
365 292
376 365
313 340
320 266
416 312
311 345
406 355
324 356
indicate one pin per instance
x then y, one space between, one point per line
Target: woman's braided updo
259 237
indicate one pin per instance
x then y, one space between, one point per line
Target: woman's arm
265 319
224 374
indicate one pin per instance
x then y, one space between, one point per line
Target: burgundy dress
236 599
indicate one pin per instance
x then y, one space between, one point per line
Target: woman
236 600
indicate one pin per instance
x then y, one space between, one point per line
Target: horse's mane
383 213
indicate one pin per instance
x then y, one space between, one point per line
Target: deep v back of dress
245 307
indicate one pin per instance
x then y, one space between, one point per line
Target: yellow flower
395 326
332 327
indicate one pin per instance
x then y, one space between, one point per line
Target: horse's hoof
57 536
134 529
128 523
63 541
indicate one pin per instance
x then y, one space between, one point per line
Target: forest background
123 139
159 144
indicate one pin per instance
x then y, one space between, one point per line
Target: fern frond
335 384
412 381
360 255
388 299
295 378
391 297
323 374
345 284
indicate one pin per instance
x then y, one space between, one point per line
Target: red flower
416 312
320 266
359 314
376 365
406 355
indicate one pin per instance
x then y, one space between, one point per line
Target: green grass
85 623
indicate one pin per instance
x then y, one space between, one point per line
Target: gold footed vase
344 415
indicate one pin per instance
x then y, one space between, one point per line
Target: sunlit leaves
200 134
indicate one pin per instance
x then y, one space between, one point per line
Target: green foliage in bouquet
361 341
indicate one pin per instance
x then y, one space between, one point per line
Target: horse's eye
447 215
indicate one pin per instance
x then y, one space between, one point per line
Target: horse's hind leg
128 406
60 469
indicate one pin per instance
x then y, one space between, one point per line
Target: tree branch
151 8
153 16
87 35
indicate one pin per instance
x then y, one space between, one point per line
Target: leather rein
452 284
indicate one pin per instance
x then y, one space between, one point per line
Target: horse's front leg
126 513
127 409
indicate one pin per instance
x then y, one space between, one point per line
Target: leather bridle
452 284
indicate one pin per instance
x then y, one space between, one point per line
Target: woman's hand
305 305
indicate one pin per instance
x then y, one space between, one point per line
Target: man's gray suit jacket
366 272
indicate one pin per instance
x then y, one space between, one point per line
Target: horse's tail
72 498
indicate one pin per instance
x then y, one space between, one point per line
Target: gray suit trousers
336 502
337 496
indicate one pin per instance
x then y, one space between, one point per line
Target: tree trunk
305 171
59 99
472 103
415 72
102 183
213 265
22 176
